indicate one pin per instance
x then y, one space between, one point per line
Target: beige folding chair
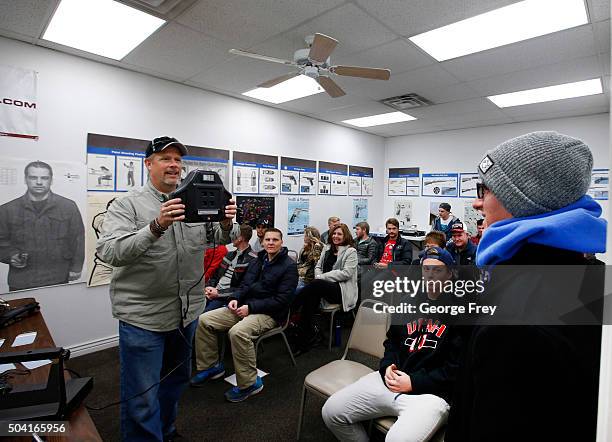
280 330
367 336
332 309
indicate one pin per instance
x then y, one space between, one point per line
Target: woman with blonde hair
335 282
308 257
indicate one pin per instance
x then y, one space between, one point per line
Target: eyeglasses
480 190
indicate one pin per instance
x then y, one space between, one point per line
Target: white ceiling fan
314 62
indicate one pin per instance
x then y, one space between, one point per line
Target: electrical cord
112 404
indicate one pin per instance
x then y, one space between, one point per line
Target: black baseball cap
159 144
262 222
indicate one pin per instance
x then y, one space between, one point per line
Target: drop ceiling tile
405 128
179 51
599 10
470 117
602 33
244 22
352 27
548 49
563 114
239 74
478 123
570 105
441 111
364 109
605 63
565 72
26 17
16 36
322 103
409 18
398 56
420 81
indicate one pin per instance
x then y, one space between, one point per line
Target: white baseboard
93 346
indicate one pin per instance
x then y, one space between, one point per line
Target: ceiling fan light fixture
297 87
380 119
513 23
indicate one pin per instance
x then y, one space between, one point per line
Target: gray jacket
366 251
343 272
154 279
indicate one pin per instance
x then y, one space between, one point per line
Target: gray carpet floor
204 415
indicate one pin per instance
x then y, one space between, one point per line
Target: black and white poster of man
42 239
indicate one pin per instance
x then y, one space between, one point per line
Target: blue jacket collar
577 227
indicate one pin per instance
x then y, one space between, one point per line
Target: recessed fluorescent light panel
550 93
298 87
380 119
517 22
102 27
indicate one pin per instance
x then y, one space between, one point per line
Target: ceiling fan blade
322 46
356 71
330 87
261 57
278 80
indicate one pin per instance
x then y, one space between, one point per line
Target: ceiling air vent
406 101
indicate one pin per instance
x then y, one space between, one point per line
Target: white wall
77 96
462 150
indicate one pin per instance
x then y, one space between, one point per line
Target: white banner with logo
18 102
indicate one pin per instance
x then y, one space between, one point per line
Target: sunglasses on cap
159 144
480 190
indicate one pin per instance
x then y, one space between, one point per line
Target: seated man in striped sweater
231 271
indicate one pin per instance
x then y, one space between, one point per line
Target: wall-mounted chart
361 181
440 184
467 185
298 176
600 179
404 181
298 215
254 173
333 178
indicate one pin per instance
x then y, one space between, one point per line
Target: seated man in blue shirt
258 305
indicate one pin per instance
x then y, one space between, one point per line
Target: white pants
419 416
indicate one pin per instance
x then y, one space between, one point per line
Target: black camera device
203 195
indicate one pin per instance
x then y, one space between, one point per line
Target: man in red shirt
395 249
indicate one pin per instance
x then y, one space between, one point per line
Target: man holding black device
156 291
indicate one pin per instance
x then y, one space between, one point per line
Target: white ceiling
192 48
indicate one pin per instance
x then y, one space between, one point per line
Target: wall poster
42 234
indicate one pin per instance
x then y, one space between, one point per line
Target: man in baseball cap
517 381
161 143
461 248
257 241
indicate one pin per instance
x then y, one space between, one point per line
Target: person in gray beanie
517 381
537 172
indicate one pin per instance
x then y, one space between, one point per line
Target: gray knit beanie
537 172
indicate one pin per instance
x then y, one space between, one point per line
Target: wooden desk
82 428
